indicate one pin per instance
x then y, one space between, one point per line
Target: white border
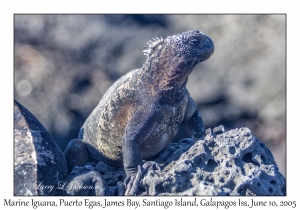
153 6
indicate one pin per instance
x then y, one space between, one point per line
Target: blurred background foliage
65 63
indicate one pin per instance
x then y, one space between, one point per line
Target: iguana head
174 58
193 44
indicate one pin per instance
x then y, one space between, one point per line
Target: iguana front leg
193 121
138 129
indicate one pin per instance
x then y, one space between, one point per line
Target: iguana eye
194 42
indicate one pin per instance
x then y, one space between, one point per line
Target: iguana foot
131 184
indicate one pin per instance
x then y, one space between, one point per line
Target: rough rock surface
39 164
230 163
234 159
205 188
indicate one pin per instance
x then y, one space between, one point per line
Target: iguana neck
163 77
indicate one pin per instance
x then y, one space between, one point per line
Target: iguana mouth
205 54
207 48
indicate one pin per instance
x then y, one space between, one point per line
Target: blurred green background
65 63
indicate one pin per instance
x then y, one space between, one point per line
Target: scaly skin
140 113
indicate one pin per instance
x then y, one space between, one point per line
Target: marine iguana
140 113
